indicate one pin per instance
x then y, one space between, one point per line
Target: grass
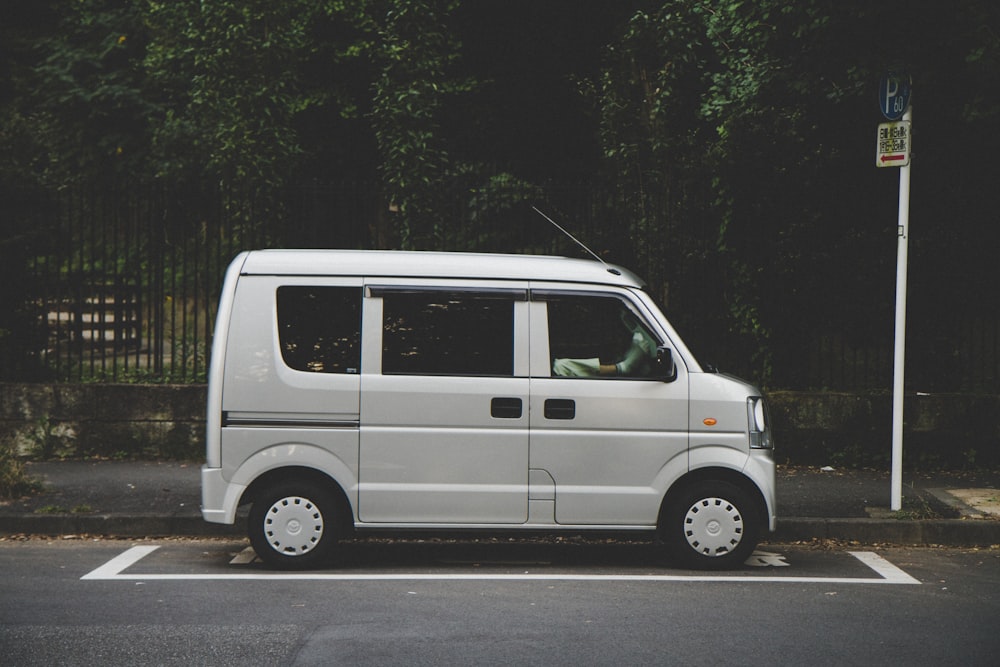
14 480
59 509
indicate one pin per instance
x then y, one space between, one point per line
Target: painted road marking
766 559
114 567
887 570
757 559
114 570
244 557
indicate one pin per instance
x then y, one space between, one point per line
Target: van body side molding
289 421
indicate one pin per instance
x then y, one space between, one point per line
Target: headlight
760 436
758 415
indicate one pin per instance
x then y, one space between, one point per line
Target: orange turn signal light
709 421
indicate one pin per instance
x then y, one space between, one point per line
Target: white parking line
114 570
887 570
114 567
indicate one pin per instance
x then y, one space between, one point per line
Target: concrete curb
108 525
945 532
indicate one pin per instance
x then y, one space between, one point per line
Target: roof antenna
613 271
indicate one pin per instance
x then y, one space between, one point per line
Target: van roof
421 264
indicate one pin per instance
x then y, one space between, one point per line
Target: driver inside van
637 360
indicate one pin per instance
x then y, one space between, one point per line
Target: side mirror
666 369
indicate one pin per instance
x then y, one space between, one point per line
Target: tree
231 84
83 93
724 147
745 129
656 98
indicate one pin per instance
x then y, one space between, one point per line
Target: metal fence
124 286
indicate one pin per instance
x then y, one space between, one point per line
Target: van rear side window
440 333
319 328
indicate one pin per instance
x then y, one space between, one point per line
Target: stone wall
855 430
103 420
168 422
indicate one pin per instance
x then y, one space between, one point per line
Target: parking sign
894 94
893 149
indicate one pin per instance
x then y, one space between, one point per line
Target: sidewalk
137 499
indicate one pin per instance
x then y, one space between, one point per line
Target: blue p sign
894 94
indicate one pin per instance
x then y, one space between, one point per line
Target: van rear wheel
713 525
293 525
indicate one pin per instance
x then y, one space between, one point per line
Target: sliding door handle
506 408
560 408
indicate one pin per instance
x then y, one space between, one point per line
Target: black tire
293 525
711 525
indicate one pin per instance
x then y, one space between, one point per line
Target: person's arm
637 353
576 367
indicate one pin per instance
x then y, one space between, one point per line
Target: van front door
605 422
444 435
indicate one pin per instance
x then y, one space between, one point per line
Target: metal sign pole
899 351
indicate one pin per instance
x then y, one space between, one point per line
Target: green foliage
415 56
14 480
59 509
230 86
661 97
86 91
48 439
738 129
490 211
726 145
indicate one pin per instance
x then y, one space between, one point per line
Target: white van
364 390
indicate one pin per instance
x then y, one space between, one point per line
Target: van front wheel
292 525
713 525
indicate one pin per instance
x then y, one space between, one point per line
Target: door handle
560 408
505 408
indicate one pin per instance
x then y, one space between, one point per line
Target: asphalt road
182 602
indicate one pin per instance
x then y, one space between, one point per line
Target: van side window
447 333
319 328
598 336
